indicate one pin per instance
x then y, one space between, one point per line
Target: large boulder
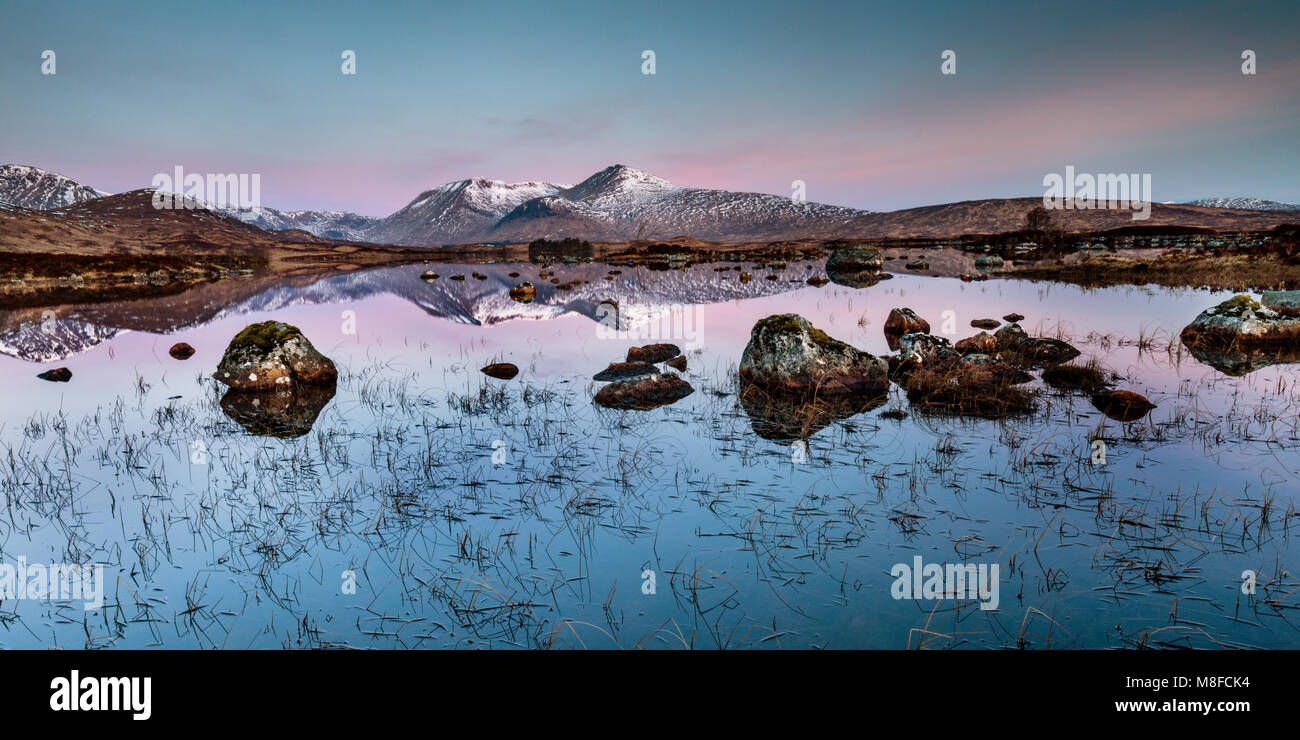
1243 322
273 355
859 266
787 355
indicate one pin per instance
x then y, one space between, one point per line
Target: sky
847 97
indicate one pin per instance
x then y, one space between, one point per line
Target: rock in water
524 292
57 375
856 267
985 323
625 370
181 351
982 343
500 370
1122 405
787 355
678 363
273 355
1243 322
653 353
1086 378
905 321
644 393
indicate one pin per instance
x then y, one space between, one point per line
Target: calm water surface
475 513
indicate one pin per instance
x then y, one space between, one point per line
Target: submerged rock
283 412
1016 346
905 321
786 355
500 370
785 418
644 393
1122 405
181 351
970 389
860 266
653 353
625 370
273 355
1086 378
57 375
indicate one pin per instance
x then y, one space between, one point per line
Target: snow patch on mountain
1246 204
37 189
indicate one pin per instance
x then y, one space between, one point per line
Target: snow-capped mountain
616 204
458 212
1246 204
29 187
329 224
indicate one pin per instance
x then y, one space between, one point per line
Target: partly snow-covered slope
458 212
329 224
29 187
1246 204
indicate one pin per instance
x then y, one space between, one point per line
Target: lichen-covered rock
859 266
653 353
273 355
644 393
788 355
1242 322
905 321
1285 302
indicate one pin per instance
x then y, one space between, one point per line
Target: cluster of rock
795 378
638 384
